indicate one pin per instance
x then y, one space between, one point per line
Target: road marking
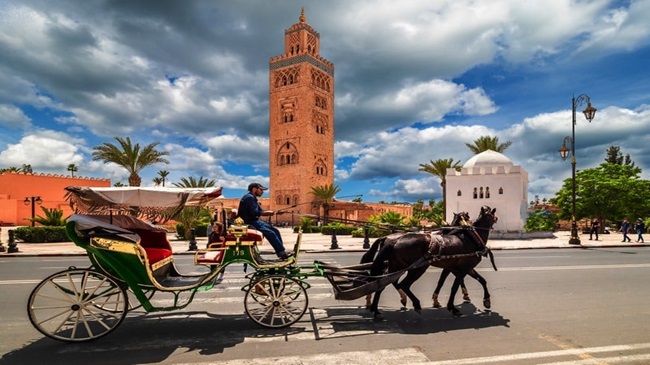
572 267
392 356
544 354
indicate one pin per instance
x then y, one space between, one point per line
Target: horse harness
432 255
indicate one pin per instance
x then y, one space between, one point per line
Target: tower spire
302 15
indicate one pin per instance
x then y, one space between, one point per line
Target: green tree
439 168
72 168
130 156
190 217
53 217
163 176
119 184
158 181
191 182
615 156
485 143
608 192
325 196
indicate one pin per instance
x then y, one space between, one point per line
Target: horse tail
370 254
489 252
378 264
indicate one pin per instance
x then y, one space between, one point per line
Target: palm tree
130 156
325 194
193 183
157 181
439 168
72 168
485 143
163 175
190 217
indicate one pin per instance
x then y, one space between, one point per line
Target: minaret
301 121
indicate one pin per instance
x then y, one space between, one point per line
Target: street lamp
590 113
33 200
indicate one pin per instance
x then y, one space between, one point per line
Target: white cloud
13 117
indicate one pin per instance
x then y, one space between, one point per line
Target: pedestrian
595 226
250 212
625 227
640 228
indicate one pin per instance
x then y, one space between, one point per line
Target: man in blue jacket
251 211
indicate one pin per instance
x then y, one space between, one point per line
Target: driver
250 211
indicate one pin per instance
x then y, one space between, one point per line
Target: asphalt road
548 307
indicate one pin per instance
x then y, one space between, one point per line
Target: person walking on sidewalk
250 211
595 226
640 228
625 227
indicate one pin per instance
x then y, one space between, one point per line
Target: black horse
462 219
414 252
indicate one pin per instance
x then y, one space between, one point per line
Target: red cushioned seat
156 254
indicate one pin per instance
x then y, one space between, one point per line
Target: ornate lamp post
33 200
590 113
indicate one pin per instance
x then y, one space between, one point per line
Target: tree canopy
439 168
609 192
130 156
485 143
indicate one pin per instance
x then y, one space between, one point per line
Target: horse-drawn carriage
131 263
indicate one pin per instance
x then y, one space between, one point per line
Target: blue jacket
249 208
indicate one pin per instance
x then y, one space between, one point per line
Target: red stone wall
15 187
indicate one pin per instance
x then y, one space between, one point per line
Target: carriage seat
155 244
251 237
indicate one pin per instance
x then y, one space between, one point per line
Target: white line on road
545 354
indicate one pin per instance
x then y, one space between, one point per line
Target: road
549 306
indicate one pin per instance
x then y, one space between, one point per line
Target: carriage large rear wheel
77 305
276 301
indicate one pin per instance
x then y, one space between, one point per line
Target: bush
340 229
373 232
41 234
542 221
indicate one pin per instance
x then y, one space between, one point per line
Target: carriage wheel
77 305
276 301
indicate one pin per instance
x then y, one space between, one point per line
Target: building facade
489 178
20 192
301 121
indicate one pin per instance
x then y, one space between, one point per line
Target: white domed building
490 178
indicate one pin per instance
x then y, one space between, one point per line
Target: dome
488 158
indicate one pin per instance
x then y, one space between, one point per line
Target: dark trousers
592 232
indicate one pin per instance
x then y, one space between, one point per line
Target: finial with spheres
302 15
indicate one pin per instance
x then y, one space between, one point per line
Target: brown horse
414 252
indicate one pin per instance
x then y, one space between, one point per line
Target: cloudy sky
415 81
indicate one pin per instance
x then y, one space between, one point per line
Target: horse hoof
487 304
437 305
455 312
467 299
418 311
378 317
403 301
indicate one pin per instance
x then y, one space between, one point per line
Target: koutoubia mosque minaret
301 120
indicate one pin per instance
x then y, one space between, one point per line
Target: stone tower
301 121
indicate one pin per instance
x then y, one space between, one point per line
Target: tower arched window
288 154
278 200
475 193
487 192
288 200
295 200
500 191
459 193
480 194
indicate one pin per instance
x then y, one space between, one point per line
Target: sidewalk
316 242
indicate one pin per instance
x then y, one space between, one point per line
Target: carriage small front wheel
77 305
276 301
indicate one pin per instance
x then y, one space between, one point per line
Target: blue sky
414 82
